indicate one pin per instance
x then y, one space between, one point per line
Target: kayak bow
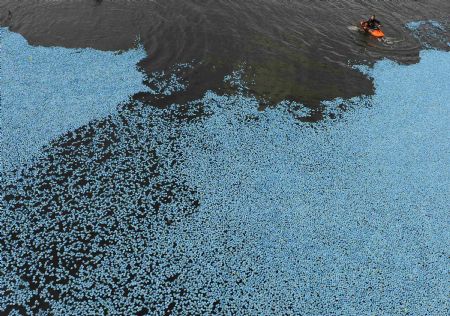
376 33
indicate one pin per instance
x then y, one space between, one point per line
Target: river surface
296 50
224 158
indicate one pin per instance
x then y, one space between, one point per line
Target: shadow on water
296 50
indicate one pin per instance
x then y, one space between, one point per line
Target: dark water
296 50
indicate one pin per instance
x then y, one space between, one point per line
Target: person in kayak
372 23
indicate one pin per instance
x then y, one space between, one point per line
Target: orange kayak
373 32
376 33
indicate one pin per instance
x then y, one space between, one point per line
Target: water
296 50
116 201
